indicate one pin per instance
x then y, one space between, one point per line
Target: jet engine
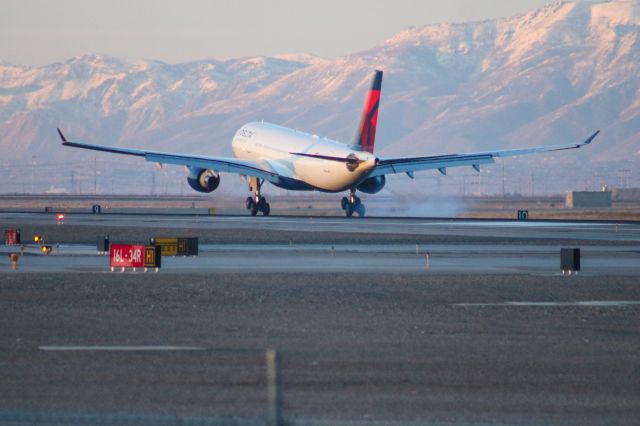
372 185
203 180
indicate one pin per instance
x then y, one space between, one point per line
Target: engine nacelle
372 185
203 180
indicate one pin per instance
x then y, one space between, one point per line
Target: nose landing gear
352 204
257 203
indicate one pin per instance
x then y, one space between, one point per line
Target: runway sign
96 209
177 246
12 237
126 256
168 246
523 215
102 244
152 257
569 260
134 256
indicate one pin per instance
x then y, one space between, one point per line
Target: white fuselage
274 147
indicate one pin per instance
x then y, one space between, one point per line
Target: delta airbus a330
299 161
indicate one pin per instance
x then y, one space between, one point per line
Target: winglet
588 141
61 135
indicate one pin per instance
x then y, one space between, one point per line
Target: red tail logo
366 137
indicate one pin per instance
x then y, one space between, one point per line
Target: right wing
413 164
261 170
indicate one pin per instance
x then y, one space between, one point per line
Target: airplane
299 161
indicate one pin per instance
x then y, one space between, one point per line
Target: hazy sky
43 31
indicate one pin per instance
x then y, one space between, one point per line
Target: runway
378 321
583 230
278 244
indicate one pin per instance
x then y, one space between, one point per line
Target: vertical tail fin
366 136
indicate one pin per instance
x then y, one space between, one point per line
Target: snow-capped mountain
553 75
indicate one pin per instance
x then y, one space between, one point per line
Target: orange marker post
13 257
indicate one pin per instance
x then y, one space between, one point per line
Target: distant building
625 194
588 199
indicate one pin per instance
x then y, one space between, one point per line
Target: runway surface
610 231
378 321
258 244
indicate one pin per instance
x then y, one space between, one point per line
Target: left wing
261 170
413 164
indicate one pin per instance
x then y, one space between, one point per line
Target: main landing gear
257 203
352 204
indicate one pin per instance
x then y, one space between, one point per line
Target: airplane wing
441 162
219 164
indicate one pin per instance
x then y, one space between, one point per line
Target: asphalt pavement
377 321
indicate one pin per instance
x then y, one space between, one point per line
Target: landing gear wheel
352 204
257 203
349 210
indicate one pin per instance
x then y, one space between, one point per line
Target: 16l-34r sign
126 255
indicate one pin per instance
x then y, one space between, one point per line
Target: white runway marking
589 303
120 348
